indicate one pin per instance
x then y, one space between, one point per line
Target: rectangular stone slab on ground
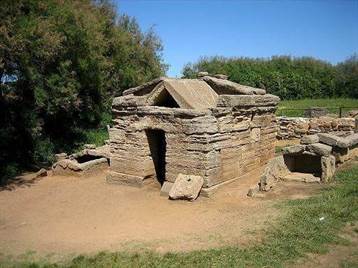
186 187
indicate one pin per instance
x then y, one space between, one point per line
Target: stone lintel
247 100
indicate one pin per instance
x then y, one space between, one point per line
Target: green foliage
332 105
287 77
348 76
44 151
96 136
308 226
61 62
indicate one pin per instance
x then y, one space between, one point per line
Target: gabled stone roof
197 94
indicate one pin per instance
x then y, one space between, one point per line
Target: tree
61 62
347 80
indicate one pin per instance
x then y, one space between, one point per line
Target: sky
190 29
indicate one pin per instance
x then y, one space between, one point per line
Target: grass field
332 105
301 231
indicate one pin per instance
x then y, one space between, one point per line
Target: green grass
96 136
331 104
299 232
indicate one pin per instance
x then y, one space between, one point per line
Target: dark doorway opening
157 146
304 163
86 158
164 99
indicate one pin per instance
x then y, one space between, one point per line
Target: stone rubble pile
83 162
297 127
314 160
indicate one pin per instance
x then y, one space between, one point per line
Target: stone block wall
297 127
218 144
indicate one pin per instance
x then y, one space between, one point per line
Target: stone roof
197 94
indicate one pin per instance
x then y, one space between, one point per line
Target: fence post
340 112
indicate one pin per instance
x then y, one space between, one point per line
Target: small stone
275 169
202 74
309 139
221 76
186 187
320 149
41 173
164 191
89 146
60 156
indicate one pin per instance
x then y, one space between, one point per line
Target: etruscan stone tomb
208 127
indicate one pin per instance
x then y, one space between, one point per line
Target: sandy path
64 215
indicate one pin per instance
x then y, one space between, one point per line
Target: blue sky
189 29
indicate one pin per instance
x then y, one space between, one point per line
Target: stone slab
164 191
186 187
320 149
301 177
124 179
309 139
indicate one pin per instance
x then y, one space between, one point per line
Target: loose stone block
275 169
328 164
166 187
186 187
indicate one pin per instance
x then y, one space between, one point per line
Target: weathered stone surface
328 165
60 156
94 163
333 140
275 169
145 88
308 139
255 192
221 76
71 166
352 113
301 177
186 187
352 139
89 146
319 148
219 142
65 167
294 149
297 127
166 187
201 74
223 86
246 101
41 173
102 151
124 179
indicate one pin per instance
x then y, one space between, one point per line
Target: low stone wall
297 127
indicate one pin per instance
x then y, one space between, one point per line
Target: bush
285 76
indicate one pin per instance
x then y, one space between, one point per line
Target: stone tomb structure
208 127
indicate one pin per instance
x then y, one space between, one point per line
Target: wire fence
340 111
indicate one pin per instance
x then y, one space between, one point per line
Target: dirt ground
64 216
